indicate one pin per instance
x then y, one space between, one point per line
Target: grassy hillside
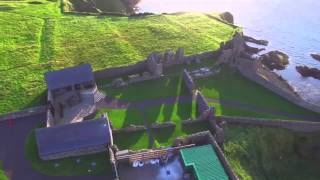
268 153
36 38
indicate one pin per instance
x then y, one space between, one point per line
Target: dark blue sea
290 26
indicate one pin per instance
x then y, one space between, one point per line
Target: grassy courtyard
151 89
230 85
268 153
133 141
36 38
2 174
122 118
171 112
67 166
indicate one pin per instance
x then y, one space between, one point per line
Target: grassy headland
36 38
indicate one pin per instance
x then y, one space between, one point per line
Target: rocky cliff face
316 56
275 60
308 72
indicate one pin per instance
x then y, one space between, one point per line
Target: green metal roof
205 163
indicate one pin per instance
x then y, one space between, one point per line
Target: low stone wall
23 113
202 104
203 138
121 71
188 81
163 125
130 129
296 126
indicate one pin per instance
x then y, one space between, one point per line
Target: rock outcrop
255 41
227 16
275 60
308 72
315 56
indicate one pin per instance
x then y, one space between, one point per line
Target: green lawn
2 174
268 153
222 110
230 85
67 166
121 118
132 141
171 112
151 89
35 38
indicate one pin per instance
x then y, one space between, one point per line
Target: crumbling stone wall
255 71
188 81
129 129
202 104
297 126
121 71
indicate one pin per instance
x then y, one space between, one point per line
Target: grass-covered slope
268 153
2 174
35 38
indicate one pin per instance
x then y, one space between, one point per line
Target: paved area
12 138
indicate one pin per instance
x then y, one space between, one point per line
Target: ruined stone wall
254 71
115 72
297 126
188 81
129 129
202 104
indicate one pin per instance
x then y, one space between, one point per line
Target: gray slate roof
69 76
64 138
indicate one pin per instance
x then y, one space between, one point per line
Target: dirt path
12 138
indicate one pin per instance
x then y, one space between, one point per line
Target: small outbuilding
87 137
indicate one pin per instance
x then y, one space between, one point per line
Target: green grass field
67 166
172 112
2 174
35 38
267 153
122 118
151 89
222 110
230 85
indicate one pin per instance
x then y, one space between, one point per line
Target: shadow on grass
133 141
41 99
133 116
162 135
